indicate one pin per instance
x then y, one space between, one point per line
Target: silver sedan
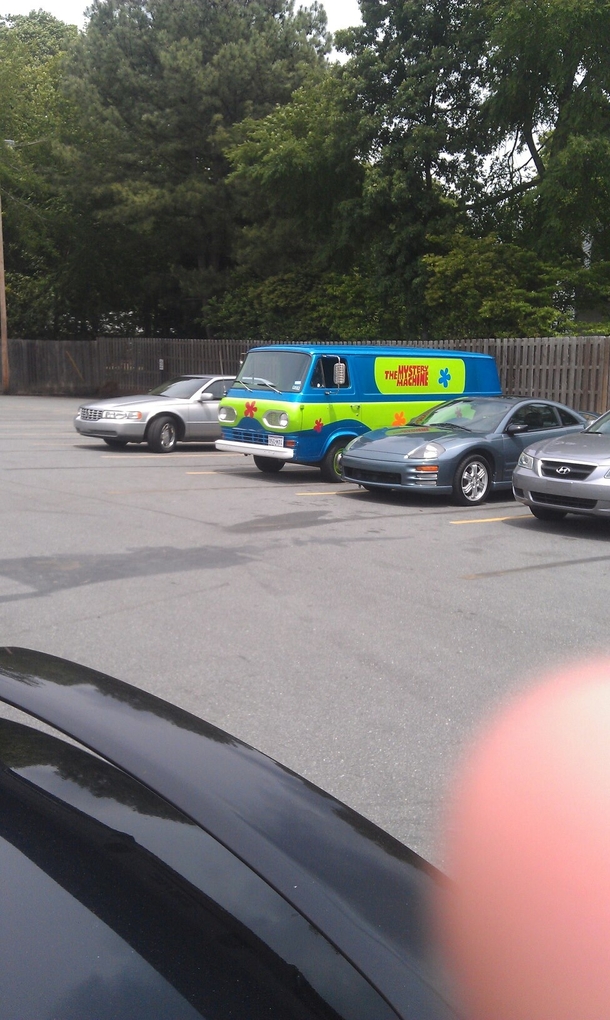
569 474
183 410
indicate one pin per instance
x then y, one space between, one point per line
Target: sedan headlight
226 413
525 460
429 451
121 415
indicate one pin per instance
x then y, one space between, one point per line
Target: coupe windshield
282 371
476 415
182 386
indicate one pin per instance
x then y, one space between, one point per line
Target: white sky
341 13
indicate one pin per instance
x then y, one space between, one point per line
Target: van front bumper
260 449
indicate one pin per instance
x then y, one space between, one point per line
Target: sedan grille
581 504
90 414
566 469
382 477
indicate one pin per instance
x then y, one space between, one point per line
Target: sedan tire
544 514
162 434
472 481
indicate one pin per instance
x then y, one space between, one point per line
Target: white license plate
275 440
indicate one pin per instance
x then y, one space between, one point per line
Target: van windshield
282 371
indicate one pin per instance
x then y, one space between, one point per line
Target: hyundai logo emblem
563 470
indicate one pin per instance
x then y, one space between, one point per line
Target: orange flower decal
399 419
251 409
318 425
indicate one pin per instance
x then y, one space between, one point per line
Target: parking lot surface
358 639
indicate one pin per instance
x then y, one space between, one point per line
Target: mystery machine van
304 403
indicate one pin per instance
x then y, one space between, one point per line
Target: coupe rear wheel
472 481
162 434
116 444
269 465
543 514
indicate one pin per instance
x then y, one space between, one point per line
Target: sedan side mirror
206 395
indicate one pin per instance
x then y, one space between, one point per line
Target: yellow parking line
489 520
152 456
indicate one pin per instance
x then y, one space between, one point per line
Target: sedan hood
114 402
399 441
585 446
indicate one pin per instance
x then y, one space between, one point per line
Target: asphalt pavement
359 639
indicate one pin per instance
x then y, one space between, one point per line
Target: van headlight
226 413
276 419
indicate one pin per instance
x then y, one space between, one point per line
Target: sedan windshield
282 371
475 415
601 425
182 386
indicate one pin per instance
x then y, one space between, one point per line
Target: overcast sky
341 13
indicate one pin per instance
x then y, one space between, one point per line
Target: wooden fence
575 370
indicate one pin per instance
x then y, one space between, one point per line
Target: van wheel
269 465
330 467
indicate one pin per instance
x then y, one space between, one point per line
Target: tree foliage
203 166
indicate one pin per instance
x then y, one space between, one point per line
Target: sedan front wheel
472 481
162 434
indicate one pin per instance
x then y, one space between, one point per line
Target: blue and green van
304 403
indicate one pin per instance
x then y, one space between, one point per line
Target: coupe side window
536 417
567 418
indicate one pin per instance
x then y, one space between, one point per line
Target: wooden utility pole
3 322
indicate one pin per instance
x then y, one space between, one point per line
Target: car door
202 419
528 423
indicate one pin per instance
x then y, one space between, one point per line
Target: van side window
322 375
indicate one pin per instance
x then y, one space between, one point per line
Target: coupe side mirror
516 429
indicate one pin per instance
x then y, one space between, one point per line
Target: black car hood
362 888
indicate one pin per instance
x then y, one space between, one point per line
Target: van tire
329 466
269 465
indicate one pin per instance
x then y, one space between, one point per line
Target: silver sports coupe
466 448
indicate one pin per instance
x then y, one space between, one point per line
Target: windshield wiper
447 425
245 385
265 382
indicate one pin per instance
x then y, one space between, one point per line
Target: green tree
481 287
161 87
32 111
548 108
